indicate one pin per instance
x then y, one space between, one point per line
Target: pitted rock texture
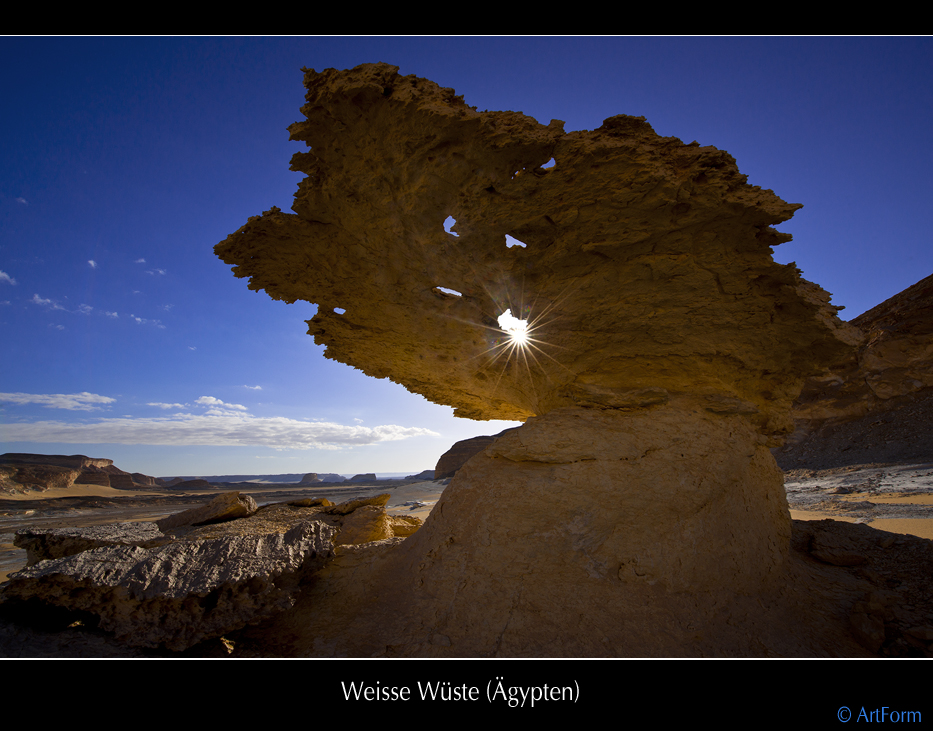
61 542
184 592
647 269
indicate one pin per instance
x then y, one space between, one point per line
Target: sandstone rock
404 525
665 350
312 502
392 157
367 477
892 370
227 506
181 593
60 542
89 477
345 508
22 478
366 523
454 458
21 472
309 478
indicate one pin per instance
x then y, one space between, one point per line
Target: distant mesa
22 473
367 477
425 475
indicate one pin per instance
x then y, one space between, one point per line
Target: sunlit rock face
660 353
646 268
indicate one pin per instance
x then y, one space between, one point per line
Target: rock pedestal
682 498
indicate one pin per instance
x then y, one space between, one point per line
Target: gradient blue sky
124 161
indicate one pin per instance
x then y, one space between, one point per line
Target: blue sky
124 161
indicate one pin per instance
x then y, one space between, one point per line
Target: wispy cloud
212 430
254 388
144 321
167 406
155 271
85 309
83 401
92 263
4 277
140 261
111 314
37 300
23 201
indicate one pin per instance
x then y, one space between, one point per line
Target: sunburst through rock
516 329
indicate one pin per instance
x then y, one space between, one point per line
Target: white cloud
212 430
111 314
37 300
4 277
85 309
23 201
140 261
167 406
219 407
155 271
92 263
254 388
144 321
83 401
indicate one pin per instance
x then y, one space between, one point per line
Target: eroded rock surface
181 593
647 262
60 542
199 578
665 348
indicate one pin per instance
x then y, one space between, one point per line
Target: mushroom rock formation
660 352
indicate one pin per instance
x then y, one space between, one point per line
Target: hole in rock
510 242
454 292
339 310
516 329
449 223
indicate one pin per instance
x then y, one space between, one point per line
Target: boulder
60 542
228 506
182 593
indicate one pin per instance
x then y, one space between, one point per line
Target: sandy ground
895 498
